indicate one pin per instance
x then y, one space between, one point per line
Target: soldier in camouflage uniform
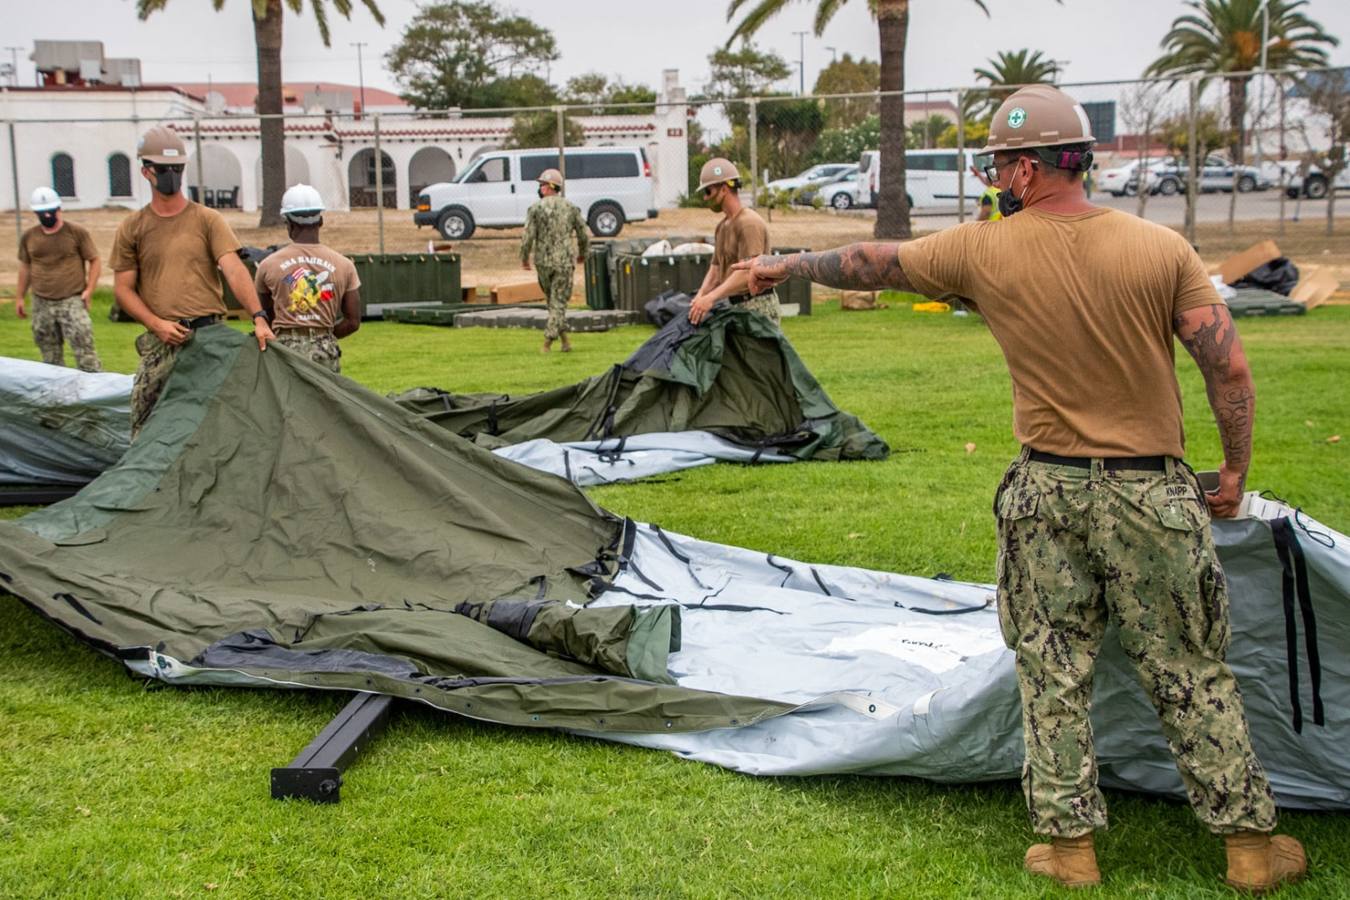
1099 519
549 226
52 261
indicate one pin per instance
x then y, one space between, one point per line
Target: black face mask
168 181
47 218
1008 204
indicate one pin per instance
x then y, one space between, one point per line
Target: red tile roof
244 93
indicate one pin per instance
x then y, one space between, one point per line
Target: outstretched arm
858 267
1209 335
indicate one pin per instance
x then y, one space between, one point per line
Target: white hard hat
44 199
302 205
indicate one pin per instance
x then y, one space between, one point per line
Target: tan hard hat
1038 116
161 145
716 171
551 176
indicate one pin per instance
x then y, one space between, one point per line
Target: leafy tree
893 29
1225 36
531 130
848 76
924 133
1007 71
977 134
847 144
1175 132
607 97
788 130
746 72
267 44
514 91
450 53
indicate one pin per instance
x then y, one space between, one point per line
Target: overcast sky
633 39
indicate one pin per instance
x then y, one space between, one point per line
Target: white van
611 185
932 178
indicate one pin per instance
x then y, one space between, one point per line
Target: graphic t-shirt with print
307 283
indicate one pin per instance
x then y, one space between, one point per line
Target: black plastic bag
1278 275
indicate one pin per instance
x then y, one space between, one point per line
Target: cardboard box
518 292
1315 286
473 293
1234 267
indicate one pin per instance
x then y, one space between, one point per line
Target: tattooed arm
857 267
1211 338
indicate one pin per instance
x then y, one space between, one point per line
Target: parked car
1121 180
1215 175
840 192
611 185
1316 185
934 179
813 175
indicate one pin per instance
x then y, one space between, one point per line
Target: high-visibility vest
990 195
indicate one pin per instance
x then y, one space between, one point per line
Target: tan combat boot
567 345
1260 862
1070 861
548 345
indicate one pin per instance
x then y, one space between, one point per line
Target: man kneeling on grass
1099 518
301 284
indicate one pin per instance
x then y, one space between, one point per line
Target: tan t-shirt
1082 306
174 258
307 283
737 239
56 261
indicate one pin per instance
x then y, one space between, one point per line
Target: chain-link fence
1229 148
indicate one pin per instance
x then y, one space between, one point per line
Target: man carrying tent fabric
549 226
1099 519
740 235
165 258
305 286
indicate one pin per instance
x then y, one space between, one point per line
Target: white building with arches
81 141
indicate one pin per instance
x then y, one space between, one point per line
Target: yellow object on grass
932 306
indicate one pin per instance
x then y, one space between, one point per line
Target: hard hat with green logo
551 176
1042 116
717 171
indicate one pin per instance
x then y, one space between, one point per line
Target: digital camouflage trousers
317 346
60 322
557 286
766 305
1079 548
157 359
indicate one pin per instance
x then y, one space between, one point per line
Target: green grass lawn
110 789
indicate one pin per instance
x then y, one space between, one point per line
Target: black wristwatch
262 313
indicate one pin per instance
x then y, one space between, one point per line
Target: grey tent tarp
276 525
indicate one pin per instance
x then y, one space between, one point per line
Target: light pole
360 73
1261 85
834 54
801 61
14 65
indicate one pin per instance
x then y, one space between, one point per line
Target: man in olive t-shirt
740 235
305 287
52 261
1099 519
165 258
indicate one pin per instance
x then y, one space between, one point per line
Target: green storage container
640 278
599 294
407 278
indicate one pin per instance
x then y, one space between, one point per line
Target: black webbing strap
612 455
1294 588
492 417
604 423
688 563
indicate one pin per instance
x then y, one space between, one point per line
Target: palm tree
893 28
267 39
1007 71
1225 36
